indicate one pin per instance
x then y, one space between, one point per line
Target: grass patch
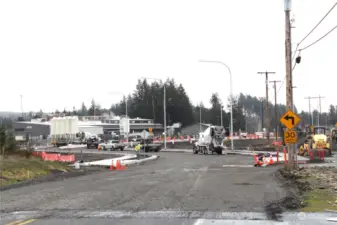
15 169
318 200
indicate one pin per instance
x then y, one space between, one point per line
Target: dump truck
210 141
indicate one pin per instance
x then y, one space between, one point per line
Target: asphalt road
179 188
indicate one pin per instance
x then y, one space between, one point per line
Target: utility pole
275 104
21 106
320 108
261 99
200 118
289 79
312 119
164 108
267 102
221 115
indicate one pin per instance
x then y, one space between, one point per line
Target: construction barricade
54 157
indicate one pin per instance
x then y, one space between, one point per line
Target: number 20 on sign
290 137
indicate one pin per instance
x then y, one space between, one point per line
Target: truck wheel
195 150
88 147
219 151
122 148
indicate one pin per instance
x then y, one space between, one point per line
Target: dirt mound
295 187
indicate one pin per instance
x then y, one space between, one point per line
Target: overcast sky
60 53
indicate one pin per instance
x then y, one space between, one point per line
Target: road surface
179 187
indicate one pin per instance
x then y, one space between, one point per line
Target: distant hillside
10 114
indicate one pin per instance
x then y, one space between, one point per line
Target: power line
308 46
318 23
312 30
284 80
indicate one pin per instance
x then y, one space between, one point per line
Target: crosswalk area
158 217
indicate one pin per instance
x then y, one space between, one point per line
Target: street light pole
164 106
126 114
231 95
221 115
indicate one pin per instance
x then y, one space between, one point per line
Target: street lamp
126 113
231 94
164 106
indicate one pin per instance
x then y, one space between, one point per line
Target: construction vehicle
334 134
210 141
64 131
93 142
318 139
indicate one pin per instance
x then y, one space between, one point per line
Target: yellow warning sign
290 137
290 119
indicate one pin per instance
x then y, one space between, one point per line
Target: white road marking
238 166
199 222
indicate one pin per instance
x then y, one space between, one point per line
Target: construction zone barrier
285 155
263 159
54 157
118 166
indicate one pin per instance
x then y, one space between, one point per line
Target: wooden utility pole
320 108
289 79
275 104
267 102
261 99
312 118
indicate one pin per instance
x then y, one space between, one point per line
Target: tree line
249 112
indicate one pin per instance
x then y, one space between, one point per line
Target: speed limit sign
290 137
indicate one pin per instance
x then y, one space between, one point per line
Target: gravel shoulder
311 189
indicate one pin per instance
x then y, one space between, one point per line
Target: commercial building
118 125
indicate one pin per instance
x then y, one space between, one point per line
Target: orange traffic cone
271 161
112 165
257 162
119 166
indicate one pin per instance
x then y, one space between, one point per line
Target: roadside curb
140 162
127 160
172 150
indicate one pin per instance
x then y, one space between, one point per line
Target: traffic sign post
290 120
290 137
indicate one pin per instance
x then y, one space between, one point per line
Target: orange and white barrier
55 157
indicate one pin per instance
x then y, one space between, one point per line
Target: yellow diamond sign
290 119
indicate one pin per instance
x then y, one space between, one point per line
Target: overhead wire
305 37
312 30
319 39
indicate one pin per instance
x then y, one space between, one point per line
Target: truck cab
112 145
93 142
